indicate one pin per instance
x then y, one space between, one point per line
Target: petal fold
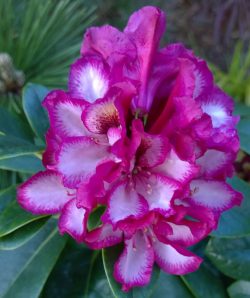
175 260
43 193
88 78
216 195
103 236
78 159
124 202
73 221
134 266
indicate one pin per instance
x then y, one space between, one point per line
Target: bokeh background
38 42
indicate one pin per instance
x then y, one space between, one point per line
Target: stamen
133 244
147 240
149 189
152 235
194 190
70 194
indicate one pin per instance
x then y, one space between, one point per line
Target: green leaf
231 256
25 164
14 147
171 286
205 283
6 196
33 95
242 110
95 217
14 217
236 222
110 256
239 289
244 134
71 271
25 270
12 125
97 283
22 235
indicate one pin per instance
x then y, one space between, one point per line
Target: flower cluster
145 133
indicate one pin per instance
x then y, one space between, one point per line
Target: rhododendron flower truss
146 134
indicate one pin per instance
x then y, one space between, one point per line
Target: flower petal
177 169
114 134
153 150
219 107
134 266
73 221
88 78
65 114
175 260
216 195
215 164
53 142
124 202
43 193
102 115
78 159
184 233
158 191
103 236
145 28
109 42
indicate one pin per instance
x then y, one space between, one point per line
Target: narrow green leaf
231 256
110 256
239 289
14 147
25 164
33 95
236 222
22 235
13 217
97 286
30 269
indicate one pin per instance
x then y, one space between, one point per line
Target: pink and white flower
145 133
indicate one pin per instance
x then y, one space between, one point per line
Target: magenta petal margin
145 133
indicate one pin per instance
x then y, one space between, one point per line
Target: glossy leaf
6 196
25 270
205 283
97 285
239 289
171 286
13 125
33 96
13 217
244 133
242 110
25 164
231 256
13 147
95 217
22 235
71 271
236 222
